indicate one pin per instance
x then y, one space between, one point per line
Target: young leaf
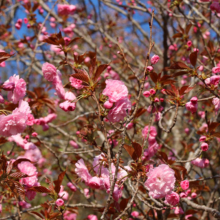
131 151
58 182
40 189
138 149
99 70
193 58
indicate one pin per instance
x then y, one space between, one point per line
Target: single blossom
172 198
184 184
29 169
154 59
200 162
82 171
49 72
161 181
76 83
216 103
115 90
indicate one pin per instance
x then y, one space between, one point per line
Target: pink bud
202 138
156 100
204 146
194 100
34 134
146 94
201 68
150 68
59 202
25 20
17 26
193 195
152 91
108 105
189 43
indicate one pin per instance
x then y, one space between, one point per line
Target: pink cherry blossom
49 72
76 83
213 80
115 90
72 187
200 162
135 214
92 217
16 88
67 106
29 169
172 198
86 193
82 171
74 144
216 69
69 215
16 122
64 9
154 59
161 181
152 133
120 111
216 103
184 184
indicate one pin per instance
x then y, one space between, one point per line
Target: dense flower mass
107 114
161 181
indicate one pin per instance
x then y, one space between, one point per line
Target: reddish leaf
4 56
18 175
140 112
73 40
3 140
175 90
212 126
131 151
168 81
19 161
81 75
124 202
99 70
58 182
163 156
40 189
36 5
138 149
9 167
193 58
38 214
153 76
178 65
211 46
216 134
187 29
178 35
180 73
